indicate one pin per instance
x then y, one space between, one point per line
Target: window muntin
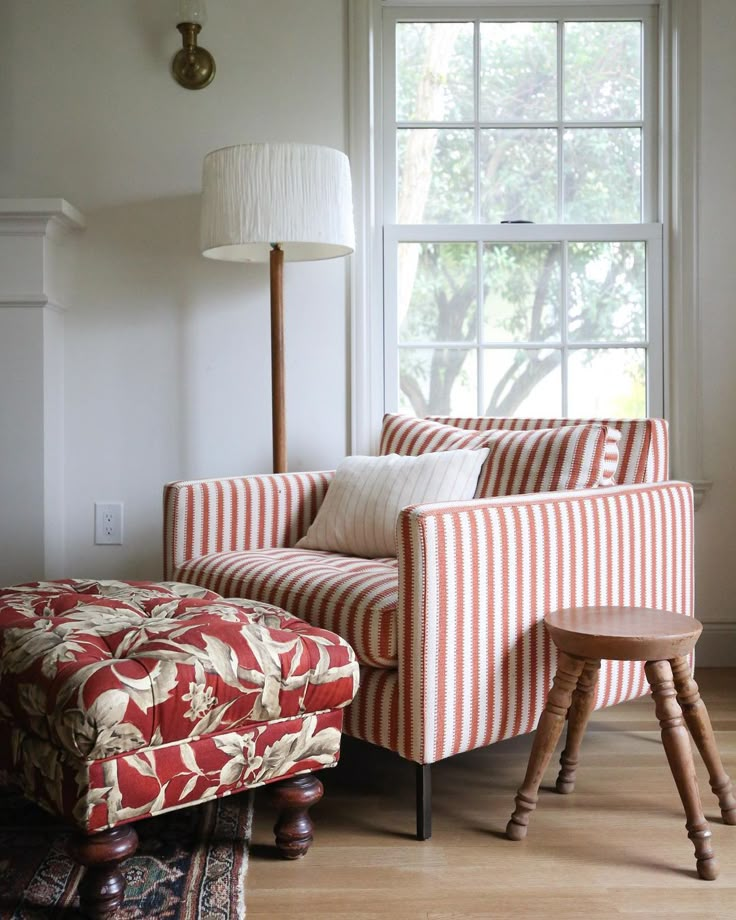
513 118
519 121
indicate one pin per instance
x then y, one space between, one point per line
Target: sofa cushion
363 501
101 668
539 460
643 450
549 460
411 436
356 598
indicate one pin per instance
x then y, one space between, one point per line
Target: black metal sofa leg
424 800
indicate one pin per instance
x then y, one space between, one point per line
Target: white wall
166 353
716 520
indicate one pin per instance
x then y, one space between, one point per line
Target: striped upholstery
549 460
244 512
410 436
467 678
520 461
611 457
460 659
374 715
644 446
356 598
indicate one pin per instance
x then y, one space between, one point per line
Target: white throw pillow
359 513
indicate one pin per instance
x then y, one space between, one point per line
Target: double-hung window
522 233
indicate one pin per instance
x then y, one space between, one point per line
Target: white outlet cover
109 523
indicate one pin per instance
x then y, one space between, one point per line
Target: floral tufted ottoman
119 701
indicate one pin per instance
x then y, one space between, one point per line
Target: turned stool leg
583 700
102 888
676 743
293 829
698 721
548 734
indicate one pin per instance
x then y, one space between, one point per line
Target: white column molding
31 388
26 227
37 215
366 319
681 76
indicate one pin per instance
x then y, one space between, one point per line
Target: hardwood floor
616 847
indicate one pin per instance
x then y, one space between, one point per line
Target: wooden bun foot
516 831
729 816
102 888
707 869
293 828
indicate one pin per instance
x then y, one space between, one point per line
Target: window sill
701 487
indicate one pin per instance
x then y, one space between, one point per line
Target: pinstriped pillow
358 515
520 461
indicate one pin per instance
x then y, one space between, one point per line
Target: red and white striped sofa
449 634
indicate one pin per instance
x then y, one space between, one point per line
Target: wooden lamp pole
278 398
264 201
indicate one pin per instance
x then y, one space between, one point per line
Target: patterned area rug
190 864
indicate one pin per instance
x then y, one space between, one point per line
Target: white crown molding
38 216
26 224
30 300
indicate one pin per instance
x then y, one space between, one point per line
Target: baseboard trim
717 646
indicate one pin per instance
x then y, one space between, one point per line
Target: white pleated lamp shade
257 195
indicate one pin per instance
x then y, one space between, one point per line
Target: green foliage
450 196
453 86
518 71
516 177
443 305
522 292
606 292
602 71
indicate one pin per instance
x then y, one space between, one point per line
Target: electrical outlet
109 522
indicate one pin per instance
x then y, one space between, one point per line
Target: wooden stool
662 639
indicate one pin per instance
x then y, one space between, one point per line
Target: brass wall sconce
193 67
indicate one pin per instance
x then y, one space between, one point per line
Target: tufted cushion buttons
100 668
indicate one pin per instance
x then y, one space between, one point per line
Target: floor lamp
276 203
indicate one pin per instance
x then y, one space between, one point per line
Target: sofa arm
238 513
476 578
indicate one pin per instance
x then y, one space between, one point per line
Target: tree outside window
498 123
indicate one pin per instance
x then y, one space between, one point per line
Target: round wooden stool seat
623 633
663 641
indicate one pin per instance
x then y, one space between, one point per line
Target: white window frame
677 162
649 234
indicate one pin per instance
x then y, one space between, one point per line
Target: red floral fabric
121 700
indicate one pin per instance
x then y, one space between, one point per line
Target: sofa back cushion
537 460
548 460
362 505
643 448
